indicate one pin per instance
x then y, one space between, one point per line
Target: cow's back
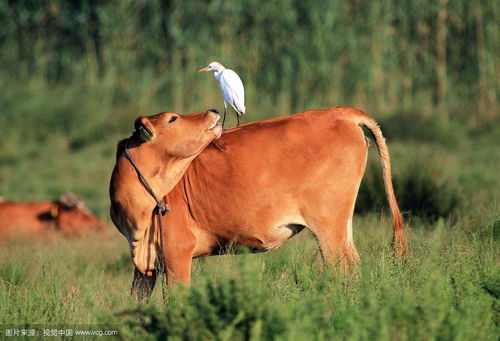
24 218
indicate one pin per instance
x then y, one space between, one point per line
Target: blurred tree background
389 56
76 73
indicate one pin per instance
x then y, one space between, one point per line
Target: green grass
448 288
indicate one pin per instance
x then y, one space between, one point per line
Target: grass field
76 74
448 288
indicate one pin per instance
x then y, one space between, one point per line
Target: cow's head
162 146
72 217
179 136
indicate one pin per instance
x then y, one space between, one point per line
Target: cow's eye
172 119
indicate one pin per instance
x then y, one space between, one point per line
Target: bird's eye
172 119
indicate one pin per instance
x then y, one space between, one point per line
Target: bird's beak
204 69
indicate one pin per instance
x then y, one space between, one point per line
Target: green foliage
425 129
421 188
446 289
234 309
386 56
423 194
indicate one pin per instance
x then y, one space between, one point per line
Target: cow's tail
398 245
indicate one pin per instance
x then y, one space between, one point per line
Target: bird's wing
233 90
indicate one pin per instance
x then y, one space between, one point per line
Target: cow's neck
162 173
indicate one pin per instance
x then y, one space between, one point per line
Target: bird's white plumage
232 89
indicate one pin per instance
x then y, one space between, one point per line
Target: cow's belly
270 234
257 234
272 238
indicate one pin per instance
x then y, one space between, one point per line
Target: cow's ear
144 129
69 200
54 210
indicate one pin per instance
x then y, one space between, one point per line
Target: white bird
231 86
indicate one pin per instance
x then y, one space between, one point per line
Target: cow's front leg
142 285
179 268
178 253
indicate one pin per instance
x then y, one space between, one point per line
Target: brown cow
258 185
67 215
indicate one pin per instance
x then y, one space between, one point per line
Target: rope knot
162 207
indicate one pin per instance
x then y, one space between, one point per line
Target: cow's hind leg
142 285
334 235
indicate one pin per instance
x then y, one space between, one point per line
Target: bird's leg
238 119
224 118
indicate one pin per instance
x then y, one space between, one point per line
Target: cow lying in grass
257 185
67 215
